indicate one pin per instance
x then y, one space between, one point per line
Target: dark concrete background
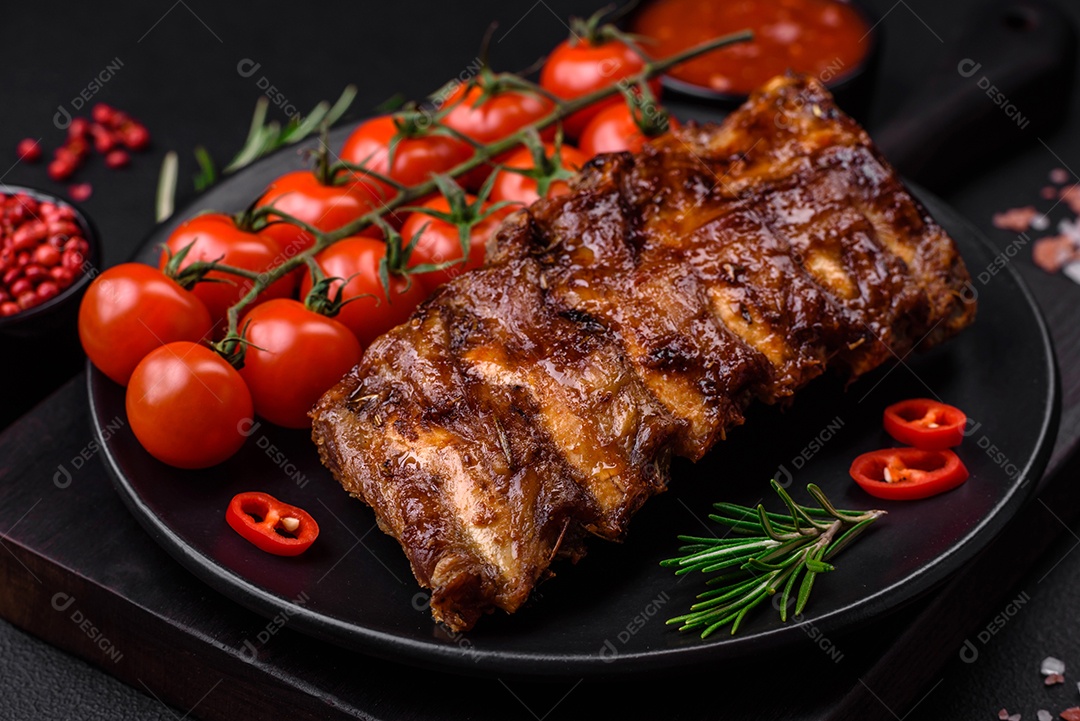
179 75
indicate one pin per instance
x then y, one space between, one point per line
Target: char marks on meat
538 400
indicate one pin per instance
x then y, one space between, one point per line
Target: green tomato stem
484 154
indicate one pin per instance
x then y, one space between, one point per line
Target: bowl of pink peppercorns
48 255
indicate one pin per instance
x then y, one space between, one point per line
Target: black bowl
59 314
852 90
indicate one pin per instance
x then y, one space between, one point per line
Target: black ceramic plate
606 614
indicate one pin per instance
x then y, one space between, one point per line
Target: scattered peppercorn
108 131
81 191
28 150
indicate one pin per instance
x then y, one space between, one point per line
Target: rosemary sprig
762 554
263 138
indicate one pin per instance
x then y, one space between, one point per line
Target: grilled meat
538 400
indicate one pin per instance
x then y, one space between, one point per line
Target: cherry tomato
439 242
925 423
271 525
295 355
415 158
188 406
502 114
131 309
217 238
371 316
578 66
614 130
518 188
304 196
904 474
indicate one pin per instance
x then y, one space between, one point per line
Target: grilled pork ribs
538 400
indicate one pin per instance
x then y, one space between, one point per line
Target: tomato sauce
824 38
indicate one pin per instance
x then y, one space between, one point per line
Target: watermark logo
63 477
247 68
62 118
968 68
467 73
421 601
815 634
969 293
249 651
1002 259
992 450
609 651
787 113
249 427
969 652
784 476
61 602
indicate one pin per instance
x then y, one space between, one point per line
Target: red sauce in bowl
824 38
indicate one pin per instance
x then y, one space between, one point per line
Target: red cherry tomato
371 316
415 158
295 355
518 188
502 114
131 309
925 423
271 525
327 207
578 66
188 406
216 238
904 474
614 130
440 243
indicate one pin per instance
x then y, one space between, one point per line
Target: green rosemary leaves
764 554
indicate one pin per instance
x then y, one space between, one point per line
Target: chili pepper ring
271 525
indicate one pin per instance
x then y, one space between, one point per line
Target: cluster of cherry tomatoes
190 401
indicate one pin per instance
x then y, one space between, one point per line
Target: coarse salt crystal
1072 270
1071 196
1040 222
1015 219
1054 252
1051 666
1015 717
1069 228
1059 176
1045 715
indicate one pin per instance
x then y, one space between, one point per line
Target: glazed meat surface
538 400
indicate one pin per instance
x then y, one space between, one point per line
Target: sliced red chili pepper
904 474
925 423
271 525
